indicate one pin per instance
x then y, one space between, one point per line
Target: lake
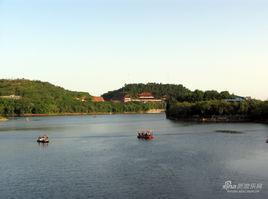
100 157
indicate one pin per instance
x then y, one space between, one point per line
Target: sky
100 45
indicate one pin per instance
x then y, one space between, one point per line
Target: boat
43 139
145 134
267 141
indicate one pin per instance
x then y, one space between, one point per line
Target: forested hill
172 91
35 89
38 97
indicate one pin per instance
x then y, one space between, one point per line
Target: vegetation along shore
243 110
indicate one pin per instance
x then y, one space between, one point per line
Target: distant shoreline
222 119
152 111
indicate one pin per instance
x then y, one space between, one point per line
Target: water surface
100 157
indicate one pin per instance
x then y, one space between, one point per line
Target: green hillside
24 96
34 89
172 91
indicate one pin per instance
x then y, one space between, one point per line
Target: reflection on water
43 145
27 128
229 131
101 157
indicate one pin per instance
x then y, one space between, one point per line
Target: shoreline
3 119
218 120
152 111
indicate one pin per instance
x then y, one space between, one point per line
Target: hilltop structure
81 99
236 99
142 97
14 97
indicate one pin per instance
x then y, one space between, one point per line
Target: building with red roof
142 97
146 96
97 99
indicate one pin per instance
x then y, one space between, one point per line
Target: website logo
242 187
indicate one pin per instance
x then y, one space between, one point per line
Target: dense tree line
249 109
20 107
171 91
114 107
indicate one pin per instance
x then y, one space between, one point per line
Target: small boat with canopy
145 134
43 139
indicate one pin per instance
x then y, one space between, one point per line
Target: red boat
145 134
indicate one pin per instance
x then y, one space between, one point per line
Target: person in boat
43 138
145 134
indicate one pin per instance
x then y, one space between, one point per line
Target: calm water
100 157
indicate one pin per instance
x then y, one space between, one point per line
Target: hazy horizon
98 46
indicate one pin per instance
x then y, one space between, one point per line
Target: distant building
237 99
97 99
146 96
126 98
248 98
164 98
82 99
14 97
142 97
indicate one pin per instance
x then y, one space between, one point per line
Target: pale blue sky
99 45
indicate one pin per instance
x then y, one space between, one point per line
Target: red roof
97 99
145 94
